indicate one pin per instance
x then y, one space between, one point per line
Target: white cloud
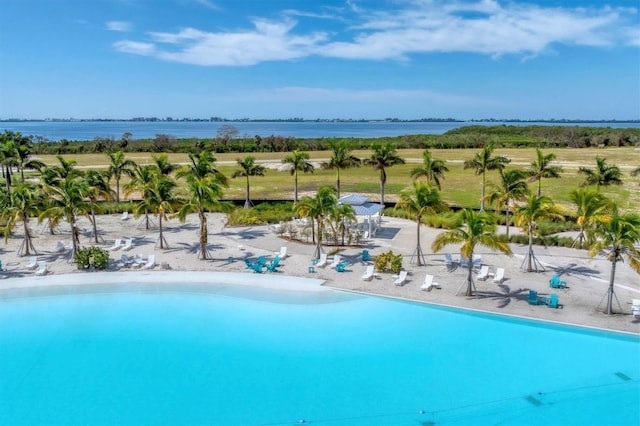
485 27
121 26
135 47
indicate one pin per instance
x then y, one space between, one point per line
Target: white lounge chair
42 268
282 253
322 262
60 248
449 261
635 308
125 215
117 244
151 262
428 284
483 274
499 276
128 245
33 263
368 273
125 261
402 277
336 260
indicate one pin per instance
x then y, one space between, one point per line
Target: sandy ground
581 303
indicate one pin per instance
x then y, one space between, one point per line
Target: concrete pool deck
587 278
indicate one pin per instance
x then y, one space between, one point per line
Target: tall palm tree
476 228
341 159
248 167
423 200
618 236
119 167
318 207
511 188
8 157
383 157
299 161
160 201
433 169
483 162
23 203
142 182
541 167
602 175
591 207
165 167
99 189
203 165
528 215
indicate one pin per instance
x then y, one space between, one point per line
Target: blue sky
537 59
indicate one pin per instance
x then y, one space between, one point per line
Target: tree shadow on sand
505 296
575 269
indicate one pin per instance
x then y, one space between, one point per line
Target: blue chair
341 267
533 297
257 268
556 282
366 257
230 259
312 269
272 267
553 301
262 260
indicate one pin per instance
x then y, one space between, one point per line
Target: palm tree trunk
530 253
95 228
117 190
295 186
318 250
383 179
507 219
146 219
203 235
470 277
610 291
338 181
484 175
74 243
28 245
418 248
161 236
539 187
247 202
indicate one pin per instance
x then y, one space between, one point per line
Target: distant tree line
473 137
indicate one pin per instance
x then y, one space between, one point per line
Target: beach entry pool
229 355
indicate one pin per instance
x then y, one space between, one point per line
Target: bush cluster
388 262
92 257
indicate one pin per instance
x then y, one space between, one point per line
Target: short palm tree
165 167
248 167
483 162
299 161
99 189
541 167
318 207
591 207
423 200
602 175
383 157
160 201
23 203
617 235
432 169
141 183
341 159
119 167
528 216
339 220
476 228
512 188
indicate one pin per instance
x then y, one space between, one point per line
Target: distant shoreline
316 120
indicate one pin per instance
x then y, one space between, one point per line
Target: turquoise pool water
265 357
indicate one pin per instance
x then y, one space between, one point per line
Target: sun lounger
499 277
556 282
322 262
117 245
128 245
42 268
402 277
33 263
336 260
125 215
449 261
368 273
428 284
151 262
483 274
282 253
635 307
125 261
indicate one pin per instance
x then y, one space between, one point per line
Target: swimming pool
247 356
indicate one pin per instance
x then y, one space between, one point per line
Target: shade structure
362 206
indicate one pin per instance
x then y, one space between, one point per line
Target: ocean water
266 357
56 131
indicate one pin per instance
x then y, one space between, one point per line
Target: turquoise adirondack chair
553 301
341 267
556 282
366 257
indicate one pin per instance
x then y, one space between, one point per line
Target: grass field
460 187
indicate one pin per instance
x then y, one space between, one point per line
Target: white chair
125 261
336 260
128 245
449 261
477 261
368 273
282 253
402 277
33 263
499 276
125 215
483 274
151 262
42 268
322 262
117 244
428 284
635 308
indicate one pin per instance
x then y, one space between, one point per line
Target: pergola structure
362 207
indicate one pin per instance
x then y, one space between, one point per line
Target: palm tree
542 168
23 151
535 210
141 182
602 175
432 169
423 200
23 203
299 162
203 165
165 167
617 236
339 219
511 188
341 159
248 167
318 207
8 157
159 201
98 189
119 167
591 208
482 162
476 228
384 156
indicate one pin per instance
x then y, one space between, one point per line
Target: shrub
388 262
92 257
